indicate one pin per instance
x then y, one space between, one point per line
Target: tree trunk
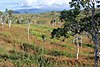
9 23
77 48
95 36
96 49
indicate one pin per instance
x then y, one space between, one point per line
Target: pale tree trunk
76 41
9 23
77 48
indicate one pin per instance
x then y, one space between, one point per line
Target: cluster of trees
76 23
9 18
6 17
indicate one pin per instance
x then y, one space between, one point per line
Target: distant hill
34 11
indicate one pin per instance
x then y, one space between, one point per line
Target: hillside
17 50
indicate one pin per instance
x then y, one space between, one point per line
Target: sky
28 4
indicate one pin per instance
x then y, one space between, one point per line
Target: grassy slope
17 50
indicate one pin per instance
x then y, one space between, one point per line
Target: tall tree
71 24
89 23
89 4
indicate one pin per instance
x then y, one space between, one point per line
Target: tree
28 21
9 16
1 13
71 24
89 4
88 23
10 13
2 20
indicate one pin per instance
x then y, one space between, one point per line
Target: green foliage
78 4
58 32
69 15
71 24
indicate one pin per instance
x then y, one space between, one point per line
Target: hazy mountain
33 11
39 10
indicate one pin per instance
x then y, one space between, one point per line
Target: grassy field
16 50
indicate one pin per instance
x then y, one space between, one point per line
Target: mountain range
38 10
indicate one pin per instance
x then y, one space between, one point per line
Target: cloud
33 3
29 4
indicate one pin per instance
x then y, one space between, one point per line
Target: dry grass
12 38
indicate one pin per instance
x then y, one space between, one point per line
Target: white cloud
45 2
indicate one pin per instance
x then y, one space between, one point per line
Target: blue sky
27 4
